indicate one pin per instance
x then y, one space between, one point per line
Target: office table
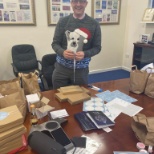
121 138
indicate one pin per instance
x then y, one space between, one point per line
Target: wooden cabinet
143 54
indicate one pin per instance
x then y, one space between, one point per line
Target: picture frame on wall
148 14
57 9
106 11
17 12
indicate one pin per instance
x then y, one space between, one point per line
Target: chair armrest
40 62
44 82
40 65
14 68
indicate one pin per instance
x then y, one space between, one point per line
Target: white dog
75 40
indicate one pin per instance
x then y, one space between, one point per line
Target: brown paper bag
149 89
143 128
10 86
9 81
138 80
30 83
15 98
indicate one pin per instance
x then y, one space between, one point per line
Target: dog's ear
68 34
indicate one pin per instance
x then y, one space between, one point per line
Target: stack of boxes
73 94
11 129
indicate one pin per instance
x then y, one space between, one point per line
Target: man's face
78 7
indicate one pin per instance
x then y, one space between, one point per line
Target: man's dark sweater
90 49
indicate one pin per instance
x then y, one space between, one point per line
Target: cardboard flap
70 90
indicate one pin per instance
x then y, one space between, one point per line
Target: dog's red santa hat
85 33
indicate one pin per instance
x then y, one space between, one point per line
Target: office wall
134 28
117 40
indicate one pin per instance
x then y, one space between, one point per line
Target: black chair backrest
48 62
24 58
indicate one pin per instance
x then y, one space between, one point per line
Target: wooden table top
121 138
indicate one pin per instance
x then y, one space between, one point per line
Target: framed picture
17 12
144 38
148 14
57 9
106 11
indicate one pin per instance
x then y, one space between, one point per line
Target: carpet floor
108 75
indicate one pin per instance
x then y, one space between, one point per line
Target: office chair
24 59
48 62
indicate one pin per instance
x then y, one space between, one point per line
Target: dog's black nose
73 44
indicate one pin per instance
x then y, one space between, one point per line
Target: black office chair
48 62
24 59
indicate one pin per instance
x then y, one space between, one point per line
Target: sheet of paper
59 114
123 96
115 112
133 110
104 95
109 96
91 147
119 105
97 104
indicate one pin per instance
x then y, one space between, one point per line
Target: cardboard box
33 98
43 111
13 131
78 98
13 136
39 103
16 143
13 119
23 147
70 90
73 94
61 97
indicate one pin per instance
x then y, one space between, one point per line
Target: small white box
32 98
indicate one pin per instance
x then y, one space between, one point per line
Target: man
73 68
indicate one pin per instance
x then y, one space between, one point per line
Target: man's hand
79 55
68 54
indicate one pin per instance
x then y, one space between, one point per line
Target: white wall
112 44
117 40
134 28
